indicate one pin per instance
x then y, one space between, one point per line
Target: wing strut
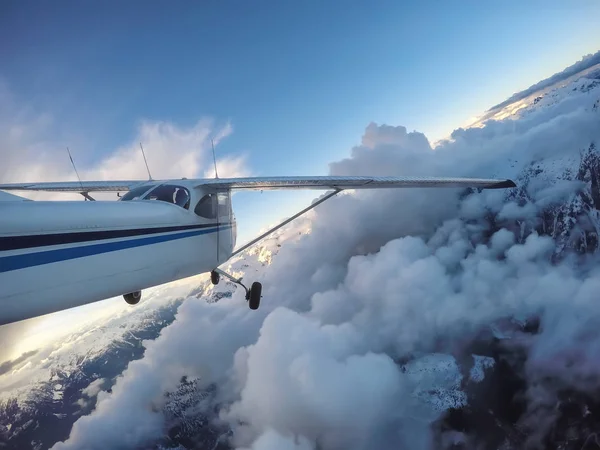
285 222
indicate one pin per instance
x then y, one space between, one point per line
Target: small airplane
56 255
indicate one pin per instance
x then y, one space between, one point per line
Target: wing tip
504 184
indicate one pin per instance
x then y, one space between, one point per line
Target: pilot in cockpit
182 198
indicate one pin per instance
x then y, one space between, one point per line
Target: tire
215 278
133 298
255 294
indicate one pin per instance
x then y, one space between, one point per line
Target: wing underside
271 183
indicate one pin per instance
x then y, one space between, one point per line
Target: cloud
383 277
230 167
90 392
31 151
304 363
94 387
271 440
171 152
11 336
9 365
24 136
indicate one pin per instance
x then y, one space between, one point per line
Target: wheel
255 294
133 298
215 277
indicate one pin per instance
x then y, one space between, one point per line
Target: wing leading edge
271 183
356 182
74 186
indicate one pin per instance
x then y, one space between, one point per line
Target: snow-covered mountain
497 411
48 395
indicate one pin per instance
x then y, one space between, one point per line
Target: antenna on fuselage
146 162
214 157
85 194
75 168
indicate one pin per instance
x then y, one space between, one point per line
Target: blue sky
299 81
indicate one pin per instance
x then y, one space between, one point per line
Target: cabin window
207 207
177 195
135 193
224 209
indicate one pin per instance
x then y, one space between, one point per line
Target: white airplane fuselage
56 255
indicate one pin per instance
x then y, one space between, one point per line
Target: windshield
177 195
136 193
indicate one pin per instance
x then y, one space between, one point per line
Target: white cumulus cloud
31 151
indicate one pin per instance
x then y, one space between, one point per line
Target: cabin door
225 232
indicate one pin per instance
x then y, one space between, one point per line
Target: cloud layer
382 277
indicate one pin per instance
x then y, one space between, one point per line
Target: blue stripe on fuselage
87 237
16 262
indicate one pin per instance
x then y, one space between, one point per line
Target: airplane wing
352 182
74 186
271 183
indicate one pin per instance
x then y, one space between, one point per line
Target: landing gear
253 294
133 298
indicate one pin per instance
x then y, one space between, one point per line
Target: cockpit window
177 195
207 206
136 193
